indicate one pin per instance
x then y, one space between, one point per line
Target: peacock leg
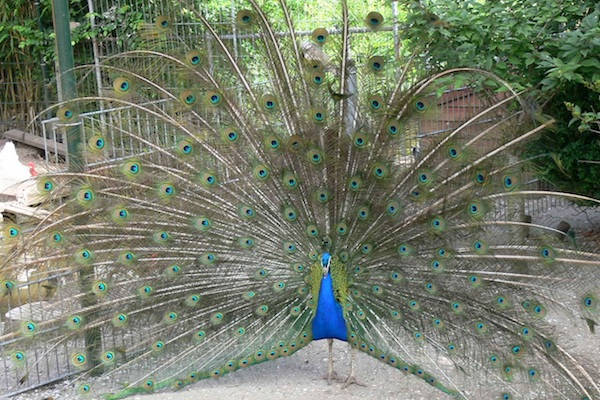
331 374
351 378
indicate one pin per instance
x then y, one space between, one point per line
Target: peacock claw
351 380
331 377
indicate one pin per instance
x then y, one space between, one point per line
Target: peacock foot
351 380
332 377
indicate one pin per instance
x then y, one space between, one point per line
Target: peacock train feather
258 204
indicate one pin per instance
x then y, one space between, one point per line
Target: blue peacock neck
328 322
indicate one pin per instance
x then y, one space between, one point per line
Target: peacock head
325 262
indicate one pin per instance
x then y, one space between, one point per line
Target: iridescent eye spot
532 372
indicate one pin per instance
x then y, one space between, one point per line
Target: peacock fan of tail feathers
255 204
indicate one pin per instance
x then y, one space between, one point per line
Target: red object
32 170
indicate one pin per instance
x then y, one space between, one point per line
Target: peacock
242 207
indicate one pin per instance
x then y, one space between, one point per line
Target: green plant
551 47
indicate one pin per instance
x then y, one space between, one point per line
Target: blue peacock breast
329 322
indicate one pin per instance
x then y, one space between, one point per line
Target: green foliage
550 45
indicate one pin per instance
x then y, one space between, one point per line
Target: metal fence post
64 51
